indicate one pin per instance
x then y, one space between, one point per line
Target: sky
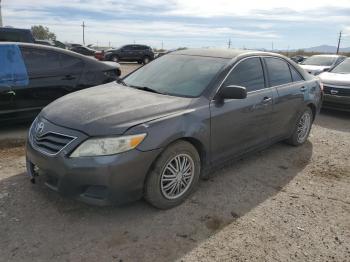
253 24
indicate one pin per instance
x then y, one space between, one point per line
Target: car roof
13 29
53 48
220 52
56 49
325 55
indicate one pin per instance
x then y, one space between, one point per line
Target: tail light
99 55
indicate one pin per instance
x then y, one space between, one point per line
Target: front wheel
146 60
174 176
302 128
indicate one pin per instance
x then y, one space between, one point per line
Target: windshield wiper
146 88
121 81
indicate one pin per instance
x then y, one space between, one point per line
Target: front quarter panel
192 123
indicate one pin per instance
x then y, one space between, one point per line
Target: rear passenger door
48 79
290 88
240 125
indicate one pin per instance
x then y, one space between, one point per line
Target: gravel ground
282 204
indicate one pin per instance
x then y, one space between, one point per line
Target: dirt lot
281 204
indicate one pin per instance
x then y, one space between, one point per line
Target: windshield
320 60
343 67
178 75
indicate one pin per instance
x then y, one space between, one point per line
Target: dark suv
131 53
8 34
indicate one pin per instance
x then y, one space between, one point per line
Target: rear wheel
302 128
115 58
174 176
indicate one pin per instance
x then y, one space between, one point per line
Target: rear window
295 74
34 58
278 71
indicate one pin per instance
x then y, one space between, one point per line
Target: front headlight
108 145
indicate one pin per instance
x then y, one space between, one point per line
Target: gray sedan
161 128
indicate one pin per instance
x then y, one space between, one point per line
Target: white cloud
169 19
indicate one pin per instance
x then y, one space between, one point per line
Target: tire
162 179
302 128
139 62
115 58
146 60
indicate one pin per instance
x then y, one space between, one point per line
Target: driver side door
242 125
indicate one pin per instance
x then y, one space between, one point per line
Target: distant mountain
325 49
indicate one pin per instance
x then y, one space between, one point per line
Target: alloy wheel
303 128
177 176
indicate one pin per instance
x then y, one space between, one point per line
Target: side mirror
233 92
13 71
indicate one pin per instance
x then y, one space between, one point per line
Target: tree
42 33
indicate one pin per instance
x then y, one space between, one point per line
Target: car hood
312 69
335 79
111 109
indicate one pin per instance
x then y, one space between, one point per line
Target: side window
40 62
278 71
249 74
295 75
71 64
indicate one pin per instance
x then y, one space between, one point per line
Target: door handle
266 100
303 89
68 77
11 93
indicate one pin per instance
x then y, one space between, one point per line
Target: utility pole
162 44
272 46
83 26
340 33
0 16
229 43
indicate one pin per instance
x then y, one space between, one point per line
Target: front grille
338 91
50 143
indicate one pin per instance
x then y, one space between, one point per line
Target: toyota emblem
39 128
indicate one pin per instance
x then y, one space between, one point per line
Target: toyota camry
157 131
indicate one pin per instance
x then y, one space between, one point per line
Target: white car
336 86
317 64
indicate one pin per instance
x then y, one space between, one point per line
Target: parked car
10 34
298 58
46 73
83 50
163 126
51 43
337 87
317 64
130 53
44 42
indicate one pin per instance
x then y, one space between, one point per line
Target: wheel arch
196 143
313 109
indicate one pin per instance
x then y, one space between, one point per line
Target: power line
340 33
